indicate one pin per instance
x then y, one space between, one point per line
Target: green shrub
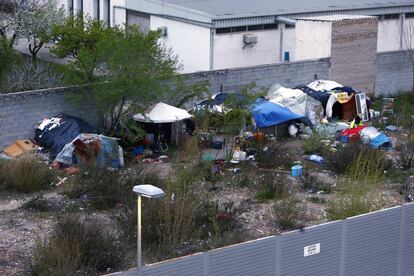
235 120
313 144
344 156
271 186
77 246
288 213
313 183
27 174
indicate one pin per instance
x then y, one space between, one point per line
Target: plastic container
259 137
297 170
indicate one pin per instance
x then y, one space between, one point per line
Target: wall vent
163 31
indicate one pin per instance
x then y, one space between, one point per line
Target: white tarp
163 113
296 101
324 85
368 134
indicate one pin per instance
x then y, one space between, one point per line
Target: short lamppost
149 191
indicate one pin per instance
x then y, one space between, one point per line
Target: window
96 9
70 7
409 15
270 26
79 6
238 29
247 28
223 30
391 16
289 26
255 27
107 12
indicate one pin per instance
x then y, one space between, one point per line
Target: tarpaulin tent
162 113
296 101
54 133
92 149
267 114
216 102
167 115
324 85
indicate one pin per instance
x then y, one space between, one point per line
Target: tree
128 70
31 20
7 56
32 75
408 44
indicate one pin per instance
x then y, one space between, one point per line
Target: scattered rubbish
236 171
391 128
20 147
72 170
316 158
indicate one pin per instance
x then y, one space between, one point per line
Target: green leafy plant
287 213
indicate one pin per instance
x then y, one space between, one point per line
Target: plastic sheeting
297 101
368 134
376 139
267 114
54 133
324 85
92 149
163 113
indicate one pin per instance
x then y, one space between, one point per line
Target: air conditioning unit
163 31
250 39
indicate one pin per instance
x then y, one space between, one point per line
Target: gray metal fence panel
372 243
407 243
327 262
252 258
186 266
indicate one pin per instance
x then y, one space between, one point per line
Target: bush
77 246
344 156
274 158
105 189
313 183
271 187
406 159
27 174
313 145
287 213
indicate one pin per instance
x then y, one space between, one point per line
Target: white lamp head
148 191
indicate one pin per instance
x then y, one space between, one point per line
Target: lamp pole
139 262
150 192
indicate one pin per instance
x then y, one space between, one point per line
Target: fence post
343 248
206 263
278 259
402 239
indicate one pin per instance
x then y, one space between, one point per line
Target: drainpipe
212 32
402 20
282 28
282 21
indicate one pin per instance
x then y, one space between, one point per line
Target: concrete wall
394 73
378 243
313 39
353 53
20 112
229 53
388 35
190 42
289 74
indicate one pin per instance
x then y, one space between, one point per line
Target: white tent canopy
163 113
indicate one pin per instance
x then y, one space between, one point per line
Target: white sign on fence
312 249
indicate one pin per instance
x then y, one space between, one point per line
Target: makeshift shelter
54 133
274 118
216 102
93 150
163 113
297 101
324 85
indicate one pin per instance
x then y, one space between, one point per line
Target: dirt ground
21 228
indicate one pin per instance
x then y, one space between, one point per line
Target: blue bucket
297 170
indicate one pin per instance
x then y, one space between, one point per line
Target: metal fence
378 243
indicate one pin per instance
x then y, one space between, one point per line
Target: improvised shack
273 118
163 119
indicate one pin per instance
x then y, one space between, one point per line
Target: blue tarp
381 141
269 114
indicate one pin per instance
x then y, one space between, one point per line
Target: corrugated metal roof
336 17
219 9
230 13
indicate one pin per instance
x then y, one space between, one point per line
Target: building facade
218 34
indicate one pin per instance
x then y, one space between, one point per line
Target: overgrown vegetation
77 246
271 186
288 213
25 174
